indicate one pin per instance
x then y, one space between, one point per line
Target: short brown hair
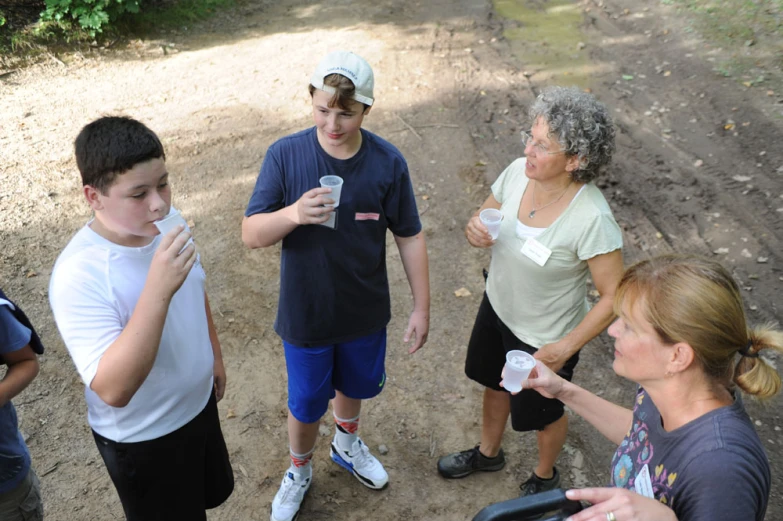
343 91
112 145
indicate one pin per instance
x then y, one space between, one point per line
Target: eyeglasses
527 139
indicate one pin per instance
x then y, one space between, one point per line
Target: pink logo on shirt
367 216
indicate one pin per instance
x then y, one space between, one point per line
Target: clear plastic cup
491 218
335 182
519 364
170 222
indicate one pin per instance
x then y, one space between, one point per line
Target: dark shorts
23 503
489 342
176 476
354 368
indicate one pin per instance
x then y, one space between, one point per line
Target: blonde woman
688 450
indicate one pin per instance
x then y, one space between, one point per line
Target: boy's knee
308 407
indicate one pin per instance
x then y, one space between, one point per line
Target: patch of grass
27 44
749 32
172 15
736 22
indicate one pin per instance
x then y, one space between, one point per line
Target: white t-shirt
93 291
542 304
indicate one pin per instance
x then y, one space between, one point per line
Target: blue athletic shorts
354 368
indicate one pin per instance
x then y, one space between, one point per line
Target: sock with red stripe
300 463
346 432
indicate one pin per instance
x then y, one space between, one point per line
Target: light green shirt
542 304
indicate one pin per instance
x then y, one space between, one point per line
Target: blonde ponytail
753 374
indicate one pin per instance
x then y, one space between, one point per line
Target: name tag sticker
536 251
643 483
367 216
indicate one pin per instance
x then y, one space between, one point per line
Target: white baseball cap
353 67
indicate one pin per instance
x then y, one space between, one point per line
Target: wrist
566 391
156 296
291 213
422 307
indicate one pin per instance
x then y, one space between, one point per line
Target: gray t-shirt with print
710 469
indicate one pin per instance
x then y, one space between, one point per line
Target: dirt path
453 85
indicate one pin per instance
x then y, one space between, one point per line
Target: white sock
342 436
304 467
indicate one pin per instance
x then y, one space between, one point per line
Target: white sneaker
367 469
285 506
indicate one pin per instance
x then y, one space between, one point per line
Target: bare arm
266 229
475 231
606 271
22 369
127 362
219 370
612 420
413 252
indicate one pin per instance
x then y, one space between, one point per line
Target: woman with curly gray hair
556 231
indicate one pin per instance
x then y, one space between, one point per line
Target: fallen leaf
721 251
627 77
728 126
231 414
770 93
698 163
742 178
31 274
748 83
191 223
425 197
667 73
462 292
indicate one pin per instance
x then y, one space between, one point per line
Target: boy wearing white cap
334 293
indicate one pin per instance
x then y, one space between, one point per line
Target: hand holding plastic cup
170 222
335 182
519 364
491 218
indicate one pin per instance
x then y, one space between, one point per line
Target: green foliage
2 19
173 15
91 15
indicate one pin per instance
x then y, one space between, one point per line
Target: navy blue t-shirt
14 457
333 283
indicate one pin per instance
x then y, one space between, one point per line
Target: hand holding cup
477 233
518 366
314 207
491 218
335 183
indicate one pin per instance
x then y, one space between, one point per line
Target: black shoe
534 484
461 464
